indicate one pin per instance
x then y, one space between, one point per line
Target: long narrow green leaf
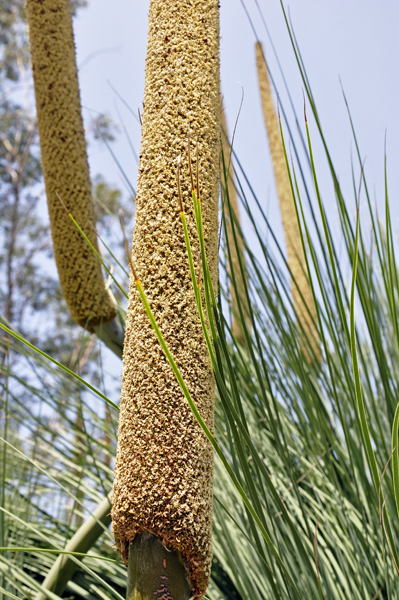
58 364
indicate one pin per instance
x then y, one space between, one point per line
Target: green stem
111 334
155 572
64 567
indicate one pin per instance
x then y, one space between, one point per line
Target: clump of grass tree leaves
306 490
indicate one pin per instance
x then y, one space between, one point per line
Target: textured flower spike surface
64 160
162 493
301 290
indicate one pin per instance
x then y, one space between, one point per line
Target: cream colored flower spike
164 465
235 326
304 307
64 160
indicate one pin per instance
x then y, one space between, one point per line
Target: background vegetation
305 503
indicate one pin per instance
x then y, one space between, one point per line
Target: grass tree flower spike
64 160
301 290
235 248
164 465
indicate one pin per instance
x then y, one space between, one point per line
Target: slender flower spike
301 290
164 465
64 160
235 249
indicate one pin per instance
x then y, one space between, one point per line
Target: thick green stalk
155 571
86 536
111 334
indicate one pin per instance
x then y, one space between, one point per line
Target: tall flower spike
303 298
164 464
234 249
64 160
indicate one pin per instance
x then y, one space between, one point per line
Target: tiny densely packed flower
64 160
164 466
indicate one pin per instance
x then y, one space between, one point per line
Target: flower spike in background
66 170
230 197
301 290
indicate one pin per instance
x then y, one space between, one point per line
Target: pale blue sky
353 39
